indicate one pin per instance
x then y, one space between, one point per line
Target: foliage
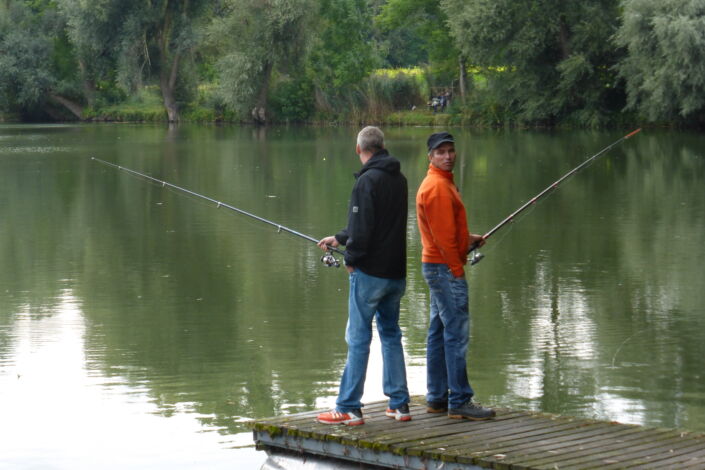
665 65
558 64
417 83
344 52
95 34
401 47
425 22
401 90
125 42
256 38
533 62
292 100
24 80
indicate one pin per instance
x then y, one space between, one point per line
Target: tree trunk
167 87
75 108
463 77
259 112
88 84
168 71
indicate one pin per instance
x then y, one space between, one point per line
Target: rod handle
476 244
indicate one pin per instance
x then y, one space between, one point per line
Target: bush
292 101
380 94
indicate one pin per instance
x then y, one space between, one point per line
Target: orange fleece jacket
440 213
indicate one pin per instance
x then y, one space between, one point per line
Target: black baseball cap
435 140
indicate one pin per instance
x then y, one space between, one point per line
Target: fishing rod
477 256
328 259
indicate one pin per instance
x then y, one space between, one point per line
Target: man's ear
358 150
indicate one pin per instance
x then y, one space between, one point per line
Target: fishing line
327 259
477 256
625 342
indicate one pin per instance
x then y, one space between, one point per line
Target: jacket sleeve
342 236
441 222
361 217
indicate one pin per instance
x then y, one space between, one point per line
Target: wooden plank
695 460
593 437
438 436
532 424
594 450
447 426
589 459
459 431
385 435
516 450
497 458
516 440
667 457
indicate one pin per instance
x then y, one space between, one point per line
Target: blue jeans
378 298
448 337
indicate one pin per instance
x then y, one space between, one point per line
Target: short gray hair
370 139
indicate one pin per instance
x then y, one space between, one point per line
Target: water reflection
59 412
144 326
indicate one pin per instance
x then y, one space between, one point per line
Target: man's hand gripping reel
328 259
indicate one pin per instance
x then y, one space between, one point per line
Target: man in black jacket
375 257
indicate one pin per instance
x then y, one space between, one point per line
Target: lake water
140 328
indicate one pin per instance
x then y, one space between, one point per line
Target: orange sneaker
400 414
351 418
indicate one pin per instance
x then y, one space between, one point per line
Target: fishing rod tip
632 133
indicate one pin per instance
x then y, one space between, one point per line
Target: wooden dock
517 440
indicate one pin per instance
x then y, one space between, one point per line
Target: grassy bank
420 118
137 113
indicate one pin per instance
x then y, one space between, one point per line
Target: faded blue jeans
448 337
378 298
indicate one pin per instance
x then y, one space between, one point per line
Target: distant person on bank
375 257
445 238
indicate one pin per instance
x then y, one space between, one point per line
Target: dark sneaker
471 411
400 414
351 418
436 406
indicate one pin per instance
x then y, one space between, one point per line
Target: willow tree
152 40
257 39
175 26
95 32
665 65
36 69
344 52
546 60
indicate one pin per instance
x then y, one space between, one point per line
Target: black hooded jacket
375 238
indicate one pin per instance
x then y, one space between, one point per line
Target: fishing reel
476 258
329 260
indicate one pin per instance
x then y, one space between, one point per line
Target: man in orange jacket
445 238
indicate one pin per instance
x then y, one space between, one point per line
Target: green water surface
140 328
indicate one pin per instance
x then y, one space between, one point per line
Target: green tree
546 60
344 52
258 40
426 24
176 28
36 67
665 65
96 32
142 40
